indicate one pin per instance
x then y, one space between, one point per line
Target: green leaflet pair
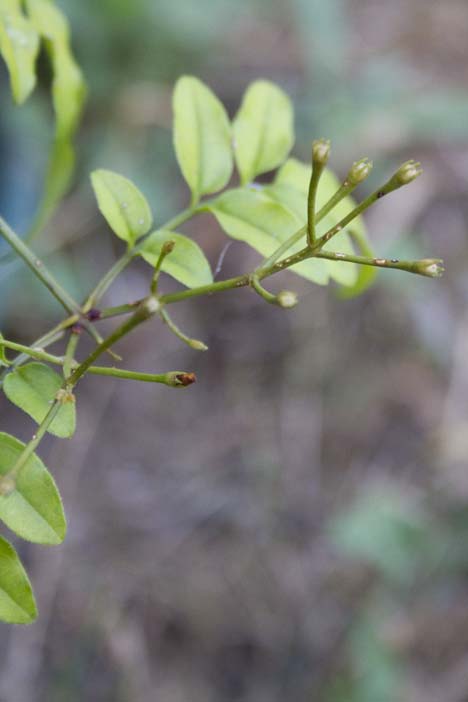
208 147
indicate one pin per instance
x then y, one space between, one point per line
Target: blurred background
295 526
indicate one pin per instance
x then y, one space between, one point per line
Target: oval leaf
33 388
34 509
19 46
202 137
17 603
186 263
124 207
263 130
251 216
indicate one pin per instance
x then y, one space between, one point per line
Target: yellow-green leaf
251 216
19 46
33 388
263 130
186 263
202 137
33 509
17 603
124 206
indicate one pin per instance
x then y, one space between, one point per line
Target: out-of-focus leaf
386 530
17 603
124 206
263 130
33 509
202 137
251 216
33 388
19 46
68 96
186 263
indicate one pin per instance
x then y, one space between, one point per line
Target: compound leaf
263 130
33 508
202 137
123 206
17 603
33 388
186 263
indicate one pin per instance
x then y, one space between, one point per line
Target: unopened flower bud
320 151
432 267
287 299
359 171
168 246
197 345
408 172
181 379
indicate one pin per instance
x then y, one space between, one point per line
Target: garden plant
302 219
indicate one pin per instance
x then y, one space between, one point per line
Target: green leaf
34 509
253 217
291 188
33 388
124 207
68 86
186 263
19 46
202 137
263 130
3 359
17 603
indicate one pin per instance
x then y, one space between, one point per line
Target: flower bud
197 345
359 171
408 172
286 299
181 379
320 151
168 247
432 267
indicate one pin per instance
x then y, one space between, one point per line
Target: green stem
118 310
127 258
35 441
193 343
38 353
38 268
420 267
70 354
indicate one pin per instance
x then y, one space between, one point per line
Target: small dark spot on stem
77 328
186 378
93 315
380 194
395 260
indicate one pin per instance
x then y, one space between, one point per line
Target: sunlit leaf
186 263
263 130
251 216
33 509
17 604
19 46
202 137
124 207
32 388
